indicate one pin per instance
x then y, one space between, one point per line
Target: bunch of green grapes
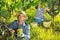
19 32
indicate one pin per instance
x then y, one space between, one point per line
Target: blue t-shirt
39 13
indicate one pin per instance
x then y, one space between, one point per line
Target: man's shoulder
27 25
14 22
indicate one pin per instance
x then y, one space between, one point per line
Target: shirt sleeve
10 26
13 25
27 35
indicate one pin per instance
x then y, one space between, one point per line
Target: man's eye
22 16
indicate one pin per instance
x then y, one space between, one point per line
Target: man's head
38 6
22 16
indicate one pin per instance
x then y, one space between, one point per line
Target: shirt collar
23 23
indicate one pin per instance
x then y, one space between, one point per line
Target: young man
39 14
20 23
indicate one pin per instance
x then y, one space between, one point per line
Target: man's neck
20 23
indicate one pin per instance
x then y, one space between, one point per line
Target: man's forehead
21 14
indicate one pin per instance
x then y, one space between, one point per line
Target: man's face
39 6
21 17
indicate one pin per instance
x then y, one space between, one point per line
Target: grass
40 33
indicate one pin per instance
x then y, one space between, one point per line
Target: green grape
19 32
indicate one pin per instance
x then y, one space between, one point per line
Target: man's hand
11 31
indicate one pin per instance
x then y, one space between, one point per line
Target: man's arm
27 33
27 36
10 28
45 9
